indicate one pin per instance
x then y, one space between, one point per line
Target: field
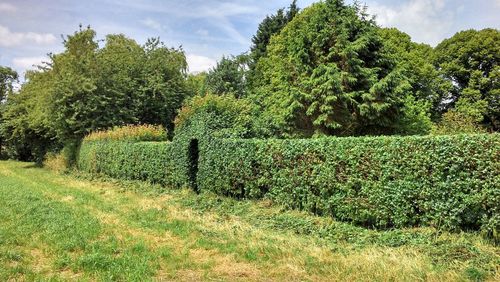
60 227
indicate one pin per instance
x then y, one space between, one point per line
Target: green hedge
447 181
148 161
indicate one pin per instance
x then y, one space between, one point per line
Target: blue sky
207 29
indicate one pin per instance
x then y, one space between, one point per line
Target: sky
206 29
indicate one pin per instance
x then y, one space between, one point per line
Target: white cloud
153 24
199 63
9 38
6 7
427 21
27 62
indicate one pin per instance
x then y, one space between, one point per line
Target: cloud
6 7
27 62
427 21
9 38
216 13
153 24
199 63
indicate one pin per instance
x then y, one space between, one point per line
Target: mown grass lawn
64 227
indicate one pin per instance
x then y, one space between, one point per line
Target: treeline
327 70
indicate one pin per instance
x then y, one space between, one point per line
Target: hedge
148 161
446 181
451 182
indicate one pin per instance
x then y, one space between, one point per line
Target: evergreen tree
328 73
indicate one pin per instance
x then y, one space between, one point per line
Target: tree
428 86
164 84
27 126
196 84
7 78
121 83
328 73
269 27
470 60
78 107
87 88
228 77
120 66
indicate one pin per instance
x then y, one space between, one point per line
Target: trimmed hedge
446 181
148 161
451 182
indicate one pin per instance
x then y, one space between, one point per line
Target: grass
73 227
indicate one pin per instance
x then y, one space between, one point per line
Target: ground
63 227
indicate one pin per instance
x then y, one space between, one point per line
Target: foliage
455 122
269 27
416 117
133 133
56 162
148 161
232 114
201 120
7 79
164 88
427 85
470 59
328 73
27 126
450 181
121 83
196 84
228 77
87 88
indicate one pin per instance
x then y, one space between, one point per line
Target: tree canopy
328 73
87 88
328 69
470 60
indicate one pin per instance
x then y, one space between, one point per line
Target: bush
446 181
56 162
148 161
454 122
200 121
133 133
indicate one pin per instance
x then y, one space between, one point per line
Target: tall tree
328 73
7 79
471 61
27 125
87 88
428 85
270 26
228 77
164 84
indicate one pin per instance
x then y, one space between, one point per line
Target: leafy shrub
133 133
446 181
233 114
454 122
200 121
148 161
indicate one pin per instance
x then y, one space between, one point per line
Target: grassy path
65 228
